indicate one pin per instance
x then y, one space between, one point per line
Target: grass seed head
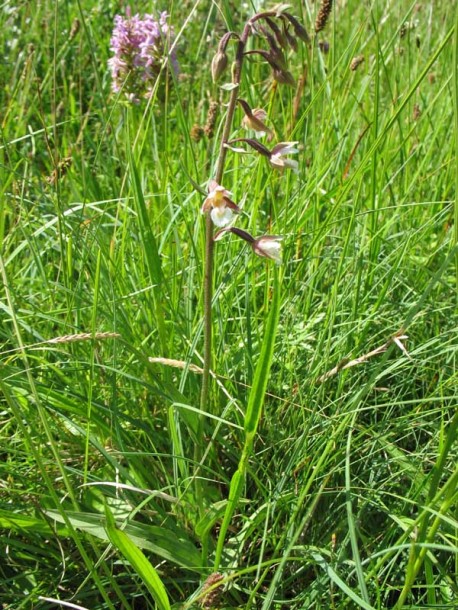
323 15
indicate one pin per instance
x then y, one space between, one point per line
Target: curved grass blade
138 561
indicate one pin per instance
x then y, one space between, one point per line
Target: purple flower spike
141 48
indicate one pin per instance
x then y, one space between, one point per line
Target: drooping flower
254 119
141 48
219 204
277 156
267 246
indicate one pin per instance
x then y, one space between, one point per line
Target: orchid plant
280 32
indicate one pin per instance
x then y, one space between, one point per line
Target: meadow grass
333 393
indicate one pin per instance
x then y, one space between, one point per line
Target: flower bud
289 37
281 39
219 64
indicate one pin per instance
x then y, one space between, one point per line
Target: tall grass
347 493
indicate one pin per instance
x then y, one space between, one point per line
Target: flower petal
277 160
232 205
222 216
292 164
285 148
212 184
206 206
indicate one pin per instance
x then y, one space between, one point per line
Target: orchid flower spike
267 246
219 204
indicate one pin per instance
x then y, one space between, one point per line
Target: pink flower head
219 204
141 49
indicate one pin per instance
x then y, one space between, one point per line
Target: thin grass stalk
36 452
418 555
417 558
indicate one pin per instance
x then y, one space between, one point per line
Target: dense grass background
351 498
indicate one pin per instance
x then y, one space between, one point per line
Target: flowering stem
209 245
219 171
208 272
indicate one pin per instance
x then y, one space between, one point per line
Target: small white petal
221 216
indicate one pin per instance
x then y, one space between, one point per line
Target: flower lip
222 216
278 161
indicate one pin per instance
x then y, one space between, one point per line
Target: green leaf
340 583
150 247
261 376
172 545
138 561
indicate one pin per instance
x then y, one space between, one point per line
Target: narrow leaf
138 561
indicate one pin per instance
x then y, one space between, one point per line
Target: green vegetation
332 399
